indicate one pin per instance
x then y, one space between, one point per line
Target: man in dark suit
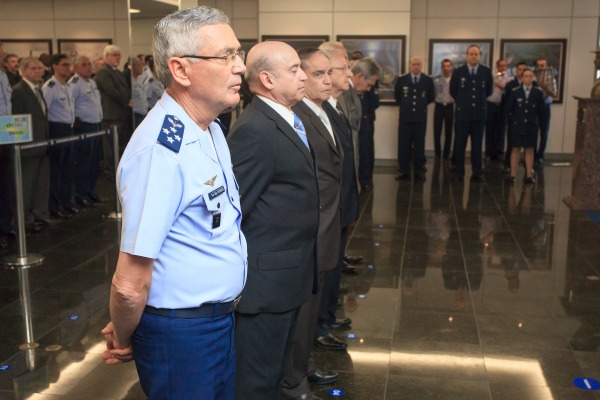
328 152
27 98
349 195
116 102
470 86
276 171
414 91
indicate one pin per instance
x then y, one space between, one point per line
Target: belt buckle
235 303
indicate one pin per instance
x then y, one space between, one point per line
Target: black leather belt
206 310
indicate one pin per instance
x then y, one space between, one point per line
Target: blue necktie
299 128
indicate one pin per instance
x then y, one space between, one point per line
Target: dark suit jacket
279 193
329 173
343 134
24 101
525 114
413 99
463 87
349 103
114 93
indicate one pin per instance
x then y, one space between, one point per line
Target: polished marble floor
467 291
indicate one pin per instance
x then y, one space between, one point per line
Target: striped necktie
299 128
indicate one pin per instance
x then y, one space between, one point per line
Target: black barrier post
115 214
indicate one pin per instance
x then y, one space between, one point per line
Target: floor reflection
467 291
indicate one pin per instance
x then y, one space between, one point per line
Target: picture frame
298 41
390 53
26 47
455 50
247 44
92 48
554 51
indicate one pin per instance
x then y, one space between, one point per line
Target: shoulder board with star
151 80
516 88
51 83
171 133
74 79
536 88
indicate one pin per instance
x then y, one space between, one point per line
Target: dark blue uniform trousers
87 161
411 139
464 129
62 167
179 358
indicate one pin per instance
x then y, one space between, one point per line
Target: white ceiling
153 8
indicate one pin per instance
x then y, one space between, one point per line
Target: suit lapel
283 127
34 98
318 124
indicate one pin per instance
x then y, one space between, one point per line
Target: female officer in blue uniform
525 107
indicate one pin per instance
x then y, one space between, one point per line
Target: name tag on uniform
218 191
216 222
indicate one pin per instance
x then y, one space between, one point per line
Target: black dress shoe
511 179
403 177
71 210
323 377
352 260
349 269
85 203
340 323
529 181
330 342
60 214
97 199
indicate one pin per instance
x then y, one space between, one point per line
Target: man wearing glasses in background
182 263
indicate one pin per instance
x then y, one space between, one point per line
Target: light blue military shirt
59 102
154 90
5 94
86 98
181 207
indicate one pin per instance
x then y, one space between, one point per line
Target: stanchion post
115 133
25 295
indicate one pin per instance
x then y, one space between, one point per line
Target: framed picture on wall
455 50
247 44
92 48
529 51
298 41
388 51
26 47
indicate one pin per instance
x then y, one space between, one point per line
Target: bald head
273 71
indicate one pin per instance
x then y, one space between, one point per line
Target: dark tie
415 80
40 97
473 72
299 128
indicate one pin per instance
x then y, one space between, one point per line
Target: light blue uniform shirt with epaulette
86 98
5 94
59 102
154 90
172 185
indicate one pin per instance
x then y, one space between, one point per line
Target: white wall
66 19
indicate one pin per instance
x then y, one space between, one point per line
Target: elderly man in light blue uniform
182 263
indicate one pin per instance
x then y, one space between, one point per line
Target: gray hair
416 58
79 57
25 61
331 49
368 66
111 48
253 69
177 34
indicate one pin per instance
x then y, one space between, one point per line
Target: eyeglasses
64 65
229 58
344 68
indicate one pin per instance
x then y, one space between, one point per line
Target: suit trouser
544 128
366 151
35 177
87 161
443 115
331 290
494 131
295 382
463 130
62 168
180 358
411 139
263 344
